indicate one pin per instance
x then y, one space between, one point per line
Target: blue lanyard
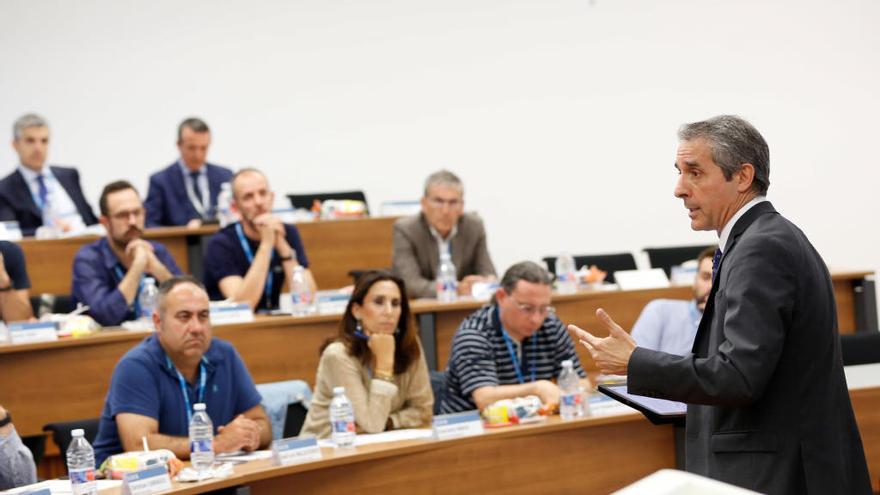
509 343
136 303
250 257
202 379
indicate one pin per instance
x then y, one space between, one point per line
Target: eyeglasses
529 309
439 203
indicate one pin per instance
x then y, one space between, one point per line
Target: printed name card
463 424
27 333
147 481
41 491
295 450
231 313
10 231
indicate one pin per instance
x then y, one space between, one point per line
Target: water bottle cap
338 390
567 363
199 407
79 432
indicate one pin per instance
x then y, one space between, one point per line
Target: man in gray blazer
441 226
768 406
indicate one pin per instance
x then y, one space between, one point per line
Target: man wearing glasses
441 227
108 274
512 347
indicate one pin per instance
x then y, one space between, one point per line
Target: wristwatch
5 421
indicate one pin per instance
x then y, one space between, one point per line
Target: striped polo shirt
480 357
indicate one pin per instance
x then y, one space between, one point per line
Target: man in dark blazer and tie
185 192
34 192
768 405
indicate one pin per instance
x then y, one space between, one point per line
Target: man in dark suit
35 194
768 406
441 226
185 192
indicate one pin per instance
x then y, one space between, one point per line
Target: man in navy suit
36 194
185 192
768 405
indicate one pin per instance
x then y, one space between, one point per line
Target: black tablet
658 411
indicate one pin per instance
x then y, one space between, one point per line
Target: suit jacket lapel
701 339
23 192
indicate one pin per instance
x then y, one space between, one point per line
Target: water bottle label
206 445
301 298
443 286
80 476
570 399
343 426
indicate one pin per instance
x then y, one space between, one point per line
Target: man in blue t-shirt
249 261
156 384
109 273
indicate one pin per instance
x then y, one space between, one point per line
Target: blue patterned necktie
42 191
715 260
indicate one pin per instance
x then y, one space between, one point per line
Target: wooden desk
68 379
593 455
333 248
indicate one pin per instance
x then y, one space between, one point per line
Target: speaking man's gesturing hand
611 353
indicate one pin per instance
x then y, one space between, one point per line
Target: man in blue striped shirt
510 348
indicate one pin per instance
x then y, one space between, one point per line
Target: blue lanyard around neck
267 293
509 343
136 303
203 377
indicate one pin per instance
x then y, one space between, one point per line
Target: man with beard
108 274
249 261
155 385
669 325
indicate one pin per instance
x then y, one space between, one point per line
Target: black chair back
306 200
860 348
607 262
296 416
667 257
438 386
61 431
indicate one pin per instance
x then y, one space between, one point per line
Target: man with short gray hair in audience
442 226
34 193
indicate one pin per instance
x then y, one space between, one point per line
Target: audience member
108 274
16 461
249 260
15 303
669 325
156 384
378 359
510 348
441 227
185 192
34 193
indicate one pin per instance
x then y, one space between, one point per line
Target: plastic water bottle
201 440
566 279
148 299
447 282
569 392
342 419
81 465
224 205
301 293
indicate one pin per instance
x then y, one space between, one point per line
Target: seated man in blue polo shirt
510 348
155 384
108 274
249 261
670 325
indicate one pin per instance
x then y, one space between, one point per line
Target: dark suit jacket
768 406
415 256
16 202
167 202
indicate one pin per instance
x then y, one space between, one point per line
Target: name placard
147 481
27 333
463 424
295 450
231 313
41 491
